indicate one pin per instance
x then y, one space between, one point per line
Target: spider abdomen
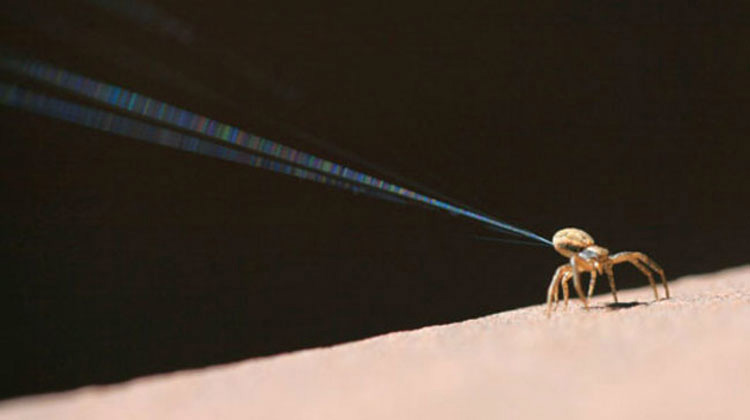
570 241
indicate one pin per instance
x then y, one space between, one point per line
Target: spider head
570 241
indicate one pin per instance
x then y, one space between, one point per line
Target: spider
586 256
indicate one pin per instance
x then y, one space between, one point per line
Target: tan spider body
586 256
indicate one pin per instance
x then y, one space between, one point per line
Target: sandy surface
687 357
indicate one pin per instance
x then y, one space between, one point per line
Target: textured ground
688 357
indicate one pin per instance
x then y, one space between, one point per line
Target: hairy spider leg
592 283
640 261
555 284
566 290
574 263
611 277
564 285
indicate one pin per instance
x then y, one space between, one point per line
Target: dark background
122 259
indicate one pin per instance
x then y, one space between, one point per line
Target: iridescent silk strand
153 109
20 98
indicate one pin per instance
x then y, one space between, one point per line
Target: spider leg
566 291
654 266
650 276
640 260
577 281
627 257
554 284
592 283
556 296
611 277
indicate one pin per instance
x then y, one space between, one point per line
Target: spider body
587 257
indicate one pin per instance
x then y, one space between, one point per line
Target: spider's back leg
555 284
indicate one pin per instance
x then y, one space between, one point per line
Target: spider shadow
615 306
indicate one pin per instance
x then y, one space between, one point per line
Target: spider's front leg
568 276
640 260
574 265
611 277
592 283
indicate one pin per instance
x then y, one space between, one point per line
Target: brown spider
585 256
